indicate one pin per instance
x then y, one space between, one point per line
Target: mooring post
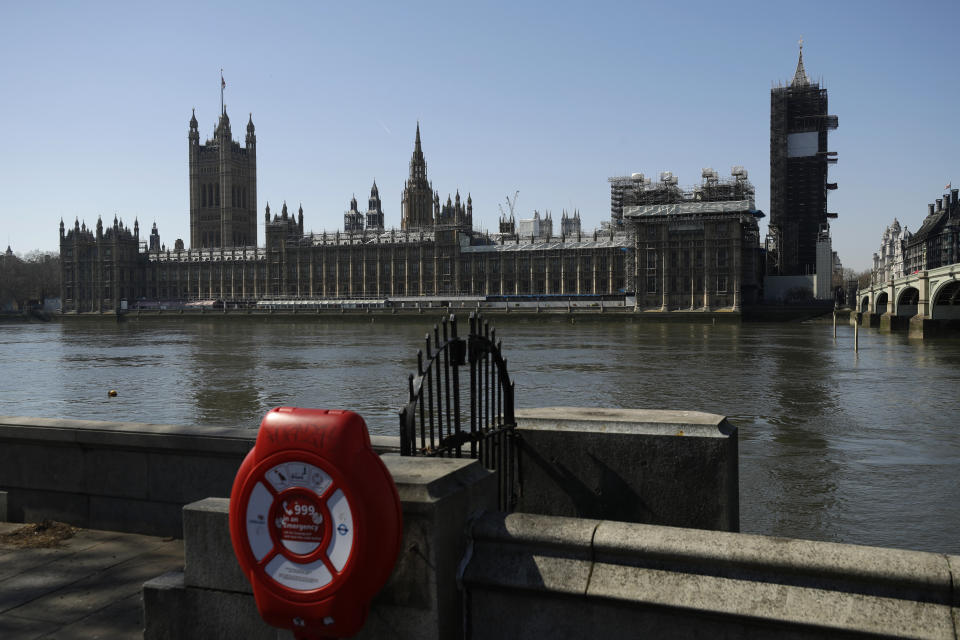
856 337
834 323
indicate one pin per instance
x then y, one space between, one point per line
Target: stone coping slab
774 581
633 421
224 440
713 580
896 573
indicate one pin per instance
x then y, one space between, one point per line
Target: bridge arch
907 302
865 304
880 306
946 301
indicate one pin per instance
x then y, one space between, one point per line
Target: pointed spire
193 118
417 143
800 78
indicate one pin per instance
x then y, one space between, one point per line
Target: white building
888 262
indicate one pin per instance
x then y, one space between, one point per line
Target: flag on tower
223 83
949 184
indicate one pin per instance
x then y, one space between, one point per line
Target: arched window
217 196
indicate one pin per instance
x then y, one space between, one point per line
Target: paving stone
100 590
122 620
15 561
15 628
29 585
88 588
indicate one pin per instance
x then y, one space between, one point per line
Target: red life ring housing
315 521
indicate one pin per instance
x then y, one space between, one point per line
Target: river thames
859 448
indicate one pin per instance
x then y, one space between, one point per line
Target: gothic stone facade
695 250
937 242
435 253
223 187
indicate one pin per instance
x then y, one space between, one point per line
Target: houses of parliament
664 248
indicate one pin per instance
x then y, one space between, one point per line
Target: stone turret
415 200
223 186
374 210
353 219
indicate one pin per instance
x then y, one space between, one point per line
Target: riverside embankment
834 445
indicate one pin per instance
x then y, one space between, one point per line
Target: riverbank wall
466 570
136 477
596 311
606 313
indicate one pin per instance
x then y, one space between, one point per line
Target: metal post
834 323
856 337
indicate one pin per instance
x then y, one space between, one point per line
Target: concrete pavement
87 587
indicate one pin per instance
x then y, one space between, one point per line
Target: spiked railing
436 420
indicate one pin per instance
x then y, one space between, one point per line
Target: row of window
681 258
684 285
210 195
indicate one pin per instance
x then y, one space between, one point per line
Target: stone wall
120 476
212 599
677 468
533 576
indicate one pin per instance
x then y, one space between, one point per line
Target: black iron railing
439 421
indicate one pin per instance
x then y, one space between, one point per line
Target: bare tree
29 278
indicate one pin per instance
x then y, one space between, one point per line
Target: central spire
418 165
800 78
417 212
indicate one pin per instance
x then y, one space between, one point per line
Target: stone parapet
622 580
420 600
677 468
119 476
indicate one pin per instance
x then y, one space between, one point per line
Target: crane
511 204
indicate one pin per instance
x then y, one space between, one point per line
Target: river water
860 448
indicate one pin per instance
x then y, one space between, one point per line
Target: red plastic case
315 521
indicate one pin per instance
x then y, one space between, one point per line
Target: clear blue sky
548 98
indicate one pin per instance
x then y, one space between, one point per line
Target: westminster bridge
920 302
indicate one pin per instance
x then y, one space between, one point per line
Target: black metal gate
439 421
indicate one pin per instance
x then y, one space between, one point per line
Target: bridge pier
869 320
890 322
921 327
